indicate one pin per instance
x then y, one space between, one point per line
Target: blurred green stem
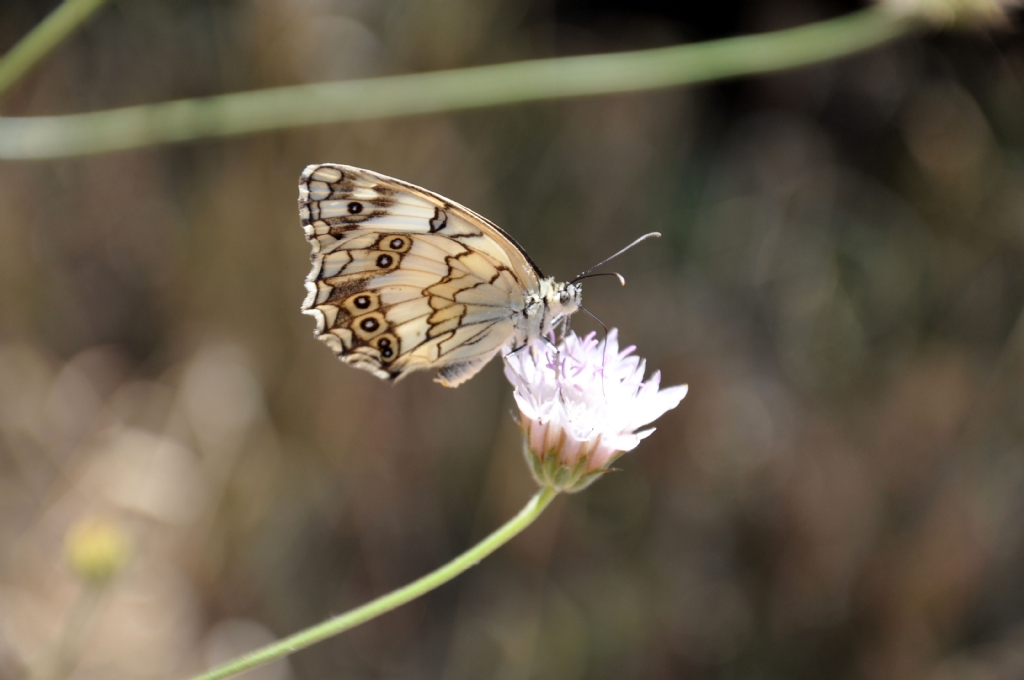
431 92
392 600
42 39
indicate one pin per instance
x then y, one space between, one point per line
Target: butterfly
404 279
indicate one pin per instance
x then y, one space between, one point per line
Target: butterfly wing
404 279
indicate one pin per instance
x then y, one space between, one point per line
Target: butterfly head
560 301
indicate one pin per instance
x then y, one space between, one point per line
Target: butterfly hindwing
403 279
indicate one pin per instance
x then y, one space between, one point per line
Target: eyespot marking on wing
388 347
369 326
362 302
397 243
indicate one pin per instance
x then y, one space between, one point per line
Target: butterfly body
404 279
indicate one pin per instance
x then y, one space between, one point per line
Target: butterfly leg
516 350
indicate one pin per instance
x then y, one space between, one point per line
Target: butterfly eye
355 207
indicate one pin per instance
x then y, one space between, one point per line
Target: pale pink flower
581 404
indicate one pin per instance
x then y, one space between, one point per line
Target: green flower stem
42 39
392 600
431 92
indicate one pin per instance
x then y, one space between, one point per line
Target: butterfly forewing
404 279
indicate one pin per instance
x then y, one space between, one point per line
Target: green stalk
42 39
394 599
465 88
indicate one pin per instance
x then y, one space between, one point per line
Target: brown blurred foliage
840 282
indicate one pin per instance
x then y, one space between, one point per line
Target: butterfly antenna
653 234
617 275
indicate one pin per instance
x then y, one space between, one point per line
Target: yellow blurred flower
96 549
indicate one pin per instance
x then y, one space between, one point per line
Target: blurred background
841 283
